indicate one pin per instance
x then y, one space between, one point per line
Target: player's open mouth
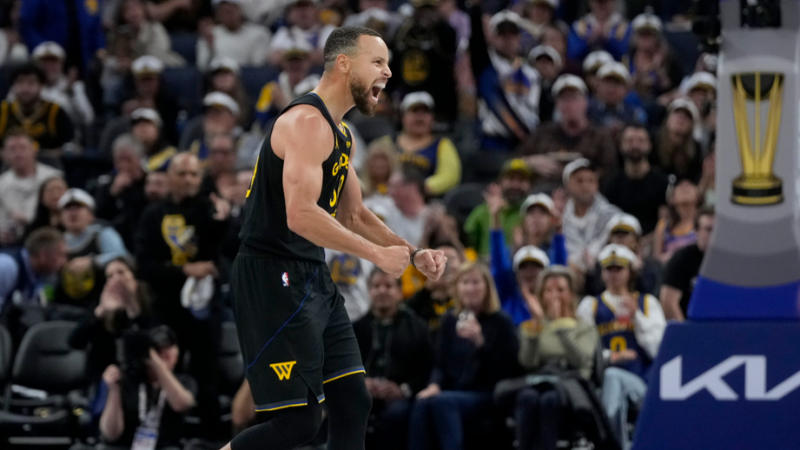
376 91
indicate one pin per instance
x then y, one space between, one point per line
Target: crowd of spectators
560 152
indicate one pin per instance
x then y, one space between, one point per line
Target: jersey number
618 344
336 193
252 178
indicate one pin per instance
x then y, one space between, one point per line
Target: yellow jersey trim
344 375
293 405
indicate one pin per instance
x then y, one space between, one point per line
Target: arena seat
186 85
5 355
255 77
185 44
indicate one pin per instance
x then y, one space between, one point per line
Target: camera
133 351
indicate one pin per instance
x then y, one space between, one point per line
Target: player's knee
306 423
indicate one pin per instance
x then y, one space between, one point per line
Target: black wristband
413 254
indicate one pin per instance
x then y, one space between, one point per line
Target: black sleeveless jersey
264 230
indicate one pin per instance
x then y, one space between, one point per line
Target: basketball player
297 342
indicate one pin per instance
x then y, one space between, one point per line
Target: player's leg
286 429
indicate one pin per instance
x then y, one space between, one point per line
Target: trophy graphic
757 185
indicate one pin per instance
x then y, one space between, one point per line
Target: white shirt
408 228
586 233
21 195
248 46
350 274
286 38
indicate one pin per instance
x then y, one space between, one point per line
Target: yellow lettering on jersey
336 193
343 163
252 178
283 369
618 344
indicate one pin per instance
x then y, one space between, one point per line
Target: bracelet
413 254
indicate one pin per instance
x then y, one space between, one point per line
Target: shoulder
304 120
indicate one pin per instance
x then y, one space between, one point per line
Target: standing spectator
477 348
631 326
682 269
146 130
149 93
436 298
20 185
603 28
609 109
149 37
639 189
232 37
223 76
45 122
554 343
220 116
303 27
591 64
654 68
677 230
12 49
507 86
548 62
586 214
73 24
397 357
678 153
436 157
570 136
64 89
515 184
120 194
375 14
423 58
153 401
48 214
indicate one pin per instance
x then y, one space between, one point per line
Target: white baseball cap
530 253
545 50
624 222
686 105
503 17
595 60
223 63
148 114
646 21
574 166
147 65
75 195
617 255
48 48
417 98
551 3
221 99
616 70
540 199
568 81
699 80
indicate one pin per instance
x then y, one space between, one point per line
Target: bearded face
362 94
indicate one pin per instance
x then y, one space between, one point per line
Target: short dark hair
344 40
17 132
162 337
636 126
28 69
377 270
412 174
42 239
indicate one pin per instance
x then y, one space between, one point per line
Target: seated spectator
508 88
12 49
640 188
553 346
124 305
90 246
631 325
179 15
156 186
220 116
591 64
570 136
63 88
153 401
20 185
624 229
223 76
515 184
477 347
609 109
149 36
378 167
397 357
302 25
423 58
603 28
120 194
654 68
75 27
406 211
436 157
45 122
547 61
701 89
149 93
677 152
541 226
677 231
48 214
221 162
294 80
146 129
537 15
436 298
682 269
375 14
586 214
232 36
27 279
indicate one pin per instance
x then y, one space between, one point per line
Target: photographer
147 413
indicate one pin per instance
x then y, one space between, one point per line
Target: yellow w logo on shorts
283 369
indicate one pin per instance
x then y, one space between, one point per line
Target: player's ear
343 62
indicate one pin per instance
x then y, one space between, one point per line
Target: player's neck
336 96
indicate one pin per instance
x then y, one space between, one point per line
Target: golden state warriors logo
283 369
179 237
